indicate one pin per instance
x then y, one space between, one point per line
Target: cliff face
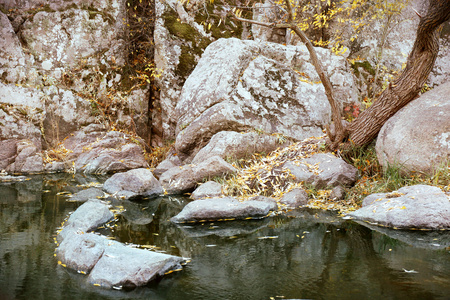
123 63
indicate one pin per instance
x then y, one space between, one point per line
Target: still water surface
304 254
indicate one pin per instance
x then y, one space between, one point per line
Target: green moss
194 46
365 65
46 8
93 12
3 10
187 62
227 27
183 30
73 5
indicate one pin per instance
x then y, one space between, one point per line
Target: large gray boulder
411 207
222 209
125 267
322 170
87 217
178 180
70 56
110 264
133 183
20 113
276 91
417 137
181 35
235 145
81 251
67 33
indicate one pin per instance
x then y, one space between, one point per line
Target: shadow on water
303 254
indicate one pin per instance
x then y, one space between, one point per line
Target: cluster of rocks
221 98
107 263
91 150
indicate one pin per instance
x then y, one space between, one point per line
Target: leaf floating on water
63 193
268 237
410 271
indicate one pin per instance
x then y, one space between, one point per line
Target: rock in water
418 206
133 183
224 208
87 217
125 267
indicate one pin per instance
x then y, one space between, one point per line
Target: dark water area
304 254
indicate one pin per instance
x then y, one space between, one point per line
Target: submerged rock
139 213
411 207
223 229
133 183
87 194
224 208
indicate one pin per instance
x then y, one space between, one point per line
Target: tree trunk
405 88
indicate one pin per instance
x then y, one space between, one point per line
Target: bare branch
417 13
270 25
340 133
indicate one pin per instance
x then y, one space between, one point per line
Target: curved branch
340 132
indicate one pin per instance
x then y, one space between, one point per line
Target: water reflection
304 254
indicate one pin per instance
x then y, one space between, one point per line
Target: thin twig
270 25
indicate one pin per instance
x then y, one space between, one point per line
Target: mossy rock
193 42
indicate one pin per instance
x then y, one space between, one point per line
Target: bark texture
405 88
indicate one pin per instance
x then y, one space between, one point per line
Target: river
303 254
